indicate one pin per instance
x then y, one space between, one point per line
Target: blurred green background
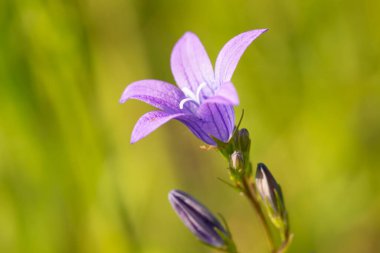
71 182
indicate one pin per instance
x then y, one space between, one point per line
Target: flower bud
269 191
244 140
198 219
237 161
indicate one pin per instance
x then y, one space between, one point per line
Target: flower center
190 96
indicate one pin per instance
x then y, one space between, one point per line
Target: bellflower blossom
205 98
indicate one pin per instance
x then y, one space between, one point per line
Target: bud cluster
240 167
262 191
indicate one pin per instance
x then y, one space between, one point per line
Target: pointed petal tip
125 95
136 136
190 62
257 32
170 197
188 34
133 140
157 93
172 194
263 30
149 122
231 53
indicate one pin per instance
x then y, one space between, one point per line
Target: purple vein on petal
150 122
231 53
231 116
220 136
206 110
190 58
228 55
229 123
223 120
157 93
196 125
191 83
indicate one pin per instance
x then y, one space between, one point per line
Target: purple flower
205 98
197 218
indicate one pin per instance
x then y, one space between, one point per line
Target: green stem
232 249
250 193
230 246
284 246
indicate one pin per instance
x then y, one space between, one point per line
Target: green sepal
240 120
226 148
278 216
229 184
229 245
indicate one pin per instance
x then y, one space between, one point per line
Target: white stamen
188 93
200 87
183 101
191 96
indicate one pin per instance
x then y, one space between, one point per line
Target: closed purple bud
268 189
196 217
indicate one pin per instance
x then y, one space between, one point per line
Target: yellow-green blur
71 182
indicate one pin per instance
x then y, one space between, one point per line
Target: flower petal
157 93
226 94
216 120
190 63
197 127
231 53
150 122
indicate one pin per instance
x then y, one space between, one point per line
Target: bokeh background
71 182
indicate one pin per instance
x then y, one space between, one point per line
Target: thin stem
232 248
253 200
229 249
284 246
